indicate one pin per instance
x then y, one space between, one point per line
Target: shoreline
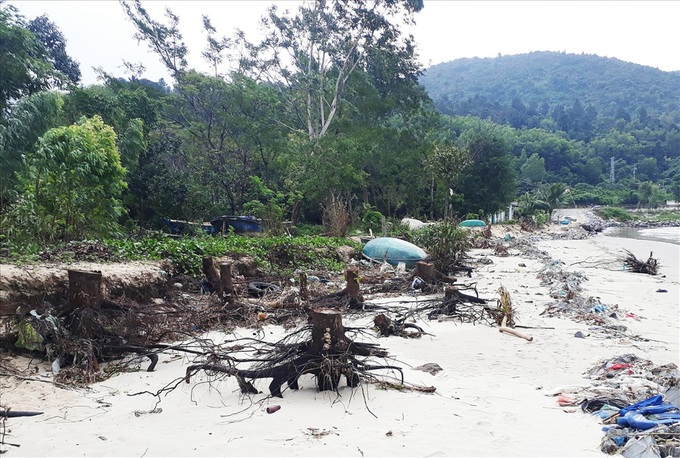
496 394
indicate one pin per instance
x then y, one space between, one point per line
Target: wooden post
84 289
304 292
227 285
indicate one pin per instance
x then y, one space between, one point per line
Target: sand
494 397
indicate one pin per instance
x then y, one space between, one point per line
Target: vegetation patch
616 213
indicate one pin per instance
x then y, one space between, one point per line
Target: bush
445 242
371 219
336 216
616 213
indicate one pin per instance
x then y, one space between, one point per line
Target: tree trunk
211 274
84 289
352 288
424 270
328 340
304 292
328 333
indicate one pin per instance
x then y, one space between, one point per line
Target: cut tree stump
429 274
84 289
328 355
304 290
352 289
211 274
227 293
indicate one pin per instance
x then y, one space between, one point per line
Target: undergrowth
278 253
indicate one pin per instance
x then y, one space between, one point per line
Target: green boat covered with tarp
393 251
472 223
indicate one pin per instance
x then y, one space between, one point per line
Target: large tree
29 120
26 65
488 184
55 46
312 54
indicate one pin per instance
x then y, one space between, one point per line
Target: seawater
658 234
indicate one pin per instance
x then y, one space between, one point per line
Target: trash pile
565 288
638 402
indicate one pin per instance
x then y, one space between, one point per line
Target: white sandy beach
494 397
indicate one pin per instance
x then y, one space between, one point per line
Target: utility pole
611 170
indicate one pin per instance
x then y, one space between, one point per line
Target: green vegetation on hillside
342 135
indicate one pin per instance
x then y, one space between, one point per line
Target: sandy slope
493 398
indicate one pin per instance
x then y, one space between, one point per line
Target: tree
71 184
649 194
489 182
447 164
312 55
25 68
55 45
533 170
552 196
29 120
164 39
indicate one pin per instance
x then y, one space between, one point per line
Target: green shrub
541 218
616 213
371 219
445 242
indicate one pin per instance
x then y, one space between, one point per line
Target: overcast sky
642 32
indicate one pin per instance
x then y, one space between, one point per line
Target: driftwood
650 266
388 327
9 413
507 330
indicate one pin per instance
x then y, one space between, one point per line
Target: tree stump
329 341
429 274
424 270
227 293
304 291
352 288
84 289
211 274
384 325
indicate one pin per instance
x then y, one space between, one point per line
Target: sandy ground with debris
494 397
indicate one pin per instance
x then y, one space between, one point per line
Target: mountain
534 84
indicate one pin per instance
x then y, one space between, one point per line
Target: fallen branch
508 330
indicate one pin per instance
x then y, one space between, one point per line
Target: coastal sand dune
494 397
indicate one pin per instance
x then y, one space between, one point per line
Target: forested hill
520 90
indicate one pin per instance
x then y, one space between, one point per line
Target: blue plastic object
653 401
